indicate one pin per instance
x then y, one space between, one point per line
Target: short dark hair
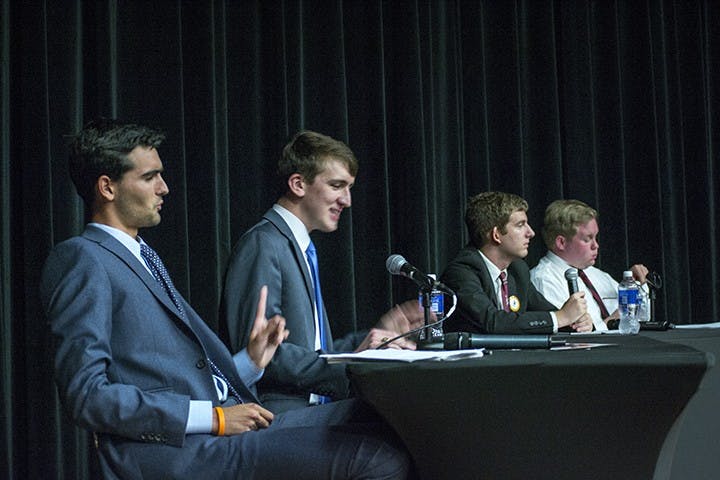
308 152
102 148
488 210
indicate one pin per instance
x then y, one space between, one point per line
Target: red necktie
603 311
504 291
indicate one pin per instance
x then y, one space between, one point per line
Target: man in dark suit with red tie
492 281
570 232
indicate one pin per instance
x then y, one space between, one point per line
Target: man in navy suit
492 281
136 365
315 175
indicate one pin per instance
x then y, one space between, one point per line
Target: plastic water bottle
643 306
437 306
628 304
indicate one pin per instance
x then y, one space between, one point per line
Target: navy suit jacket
478 309
268 254
127 363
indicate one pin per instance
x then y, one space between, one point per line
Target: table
691 449
597 413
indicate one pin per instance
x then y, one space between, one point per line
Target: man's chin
329 228
153 222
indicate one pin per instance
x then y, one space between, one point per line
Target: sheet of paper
395 355
581 346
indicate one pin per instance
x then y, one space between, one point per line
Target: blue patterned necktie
161 274
312 260
163 277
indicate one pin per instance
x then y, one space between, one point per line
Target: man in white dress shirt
570 232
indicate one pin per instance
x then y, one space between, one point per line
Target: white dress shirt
549 279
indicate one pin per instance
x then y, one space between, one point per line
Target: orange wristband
221 421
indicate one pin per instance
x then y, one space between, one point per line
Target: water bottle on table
628 293
437 306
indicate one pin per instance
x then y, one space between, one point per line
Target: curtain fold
613 103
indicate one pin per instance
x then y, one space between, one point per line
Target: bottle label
437 306
627 296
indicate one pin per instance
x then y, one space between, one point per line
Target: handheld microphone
465 340
571 275
397 265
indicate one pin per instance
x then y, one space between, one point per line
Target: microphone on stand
397 265
571 275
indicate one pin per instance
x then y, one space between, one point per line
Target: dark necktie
311 255
603 310
504 291
163 277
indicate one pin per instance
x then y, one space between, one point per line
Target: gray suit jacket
127 363
268 254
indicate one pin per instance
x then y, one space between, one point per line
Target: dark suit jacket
268 254
478 309
127 363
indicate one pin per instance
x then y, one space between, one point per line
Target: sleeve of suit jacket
264 257
477 309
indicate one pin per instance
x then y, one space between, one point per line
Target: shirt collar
297 227
556 260
492 268
132 244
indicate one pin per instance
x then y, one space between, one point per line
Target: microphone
465 340
571 275
397 265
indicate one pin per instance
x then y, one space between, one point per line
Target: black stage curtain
613 102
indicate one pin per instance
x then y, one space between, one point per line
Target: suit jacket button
200 363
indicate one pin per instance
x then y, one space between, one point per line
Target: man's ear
296 185
105 188
560 243
495 235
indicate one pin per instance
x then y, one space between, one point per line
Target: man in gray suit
136 365
316 173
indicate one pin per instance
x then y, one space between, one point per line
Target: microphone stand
427 340
426 294
654 283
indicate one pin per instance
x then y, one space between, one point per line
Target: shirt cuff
555 322
248 371
199 417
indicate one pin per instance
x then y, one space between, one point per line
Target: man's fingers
260 313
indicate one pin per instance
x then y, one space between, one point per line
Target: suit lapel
109 243
487 282
273 217
210 344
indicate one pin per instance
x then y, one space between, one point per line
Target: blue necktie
163 277
312 260
161 274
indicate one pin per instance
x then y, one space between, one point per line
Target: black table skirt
531 414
